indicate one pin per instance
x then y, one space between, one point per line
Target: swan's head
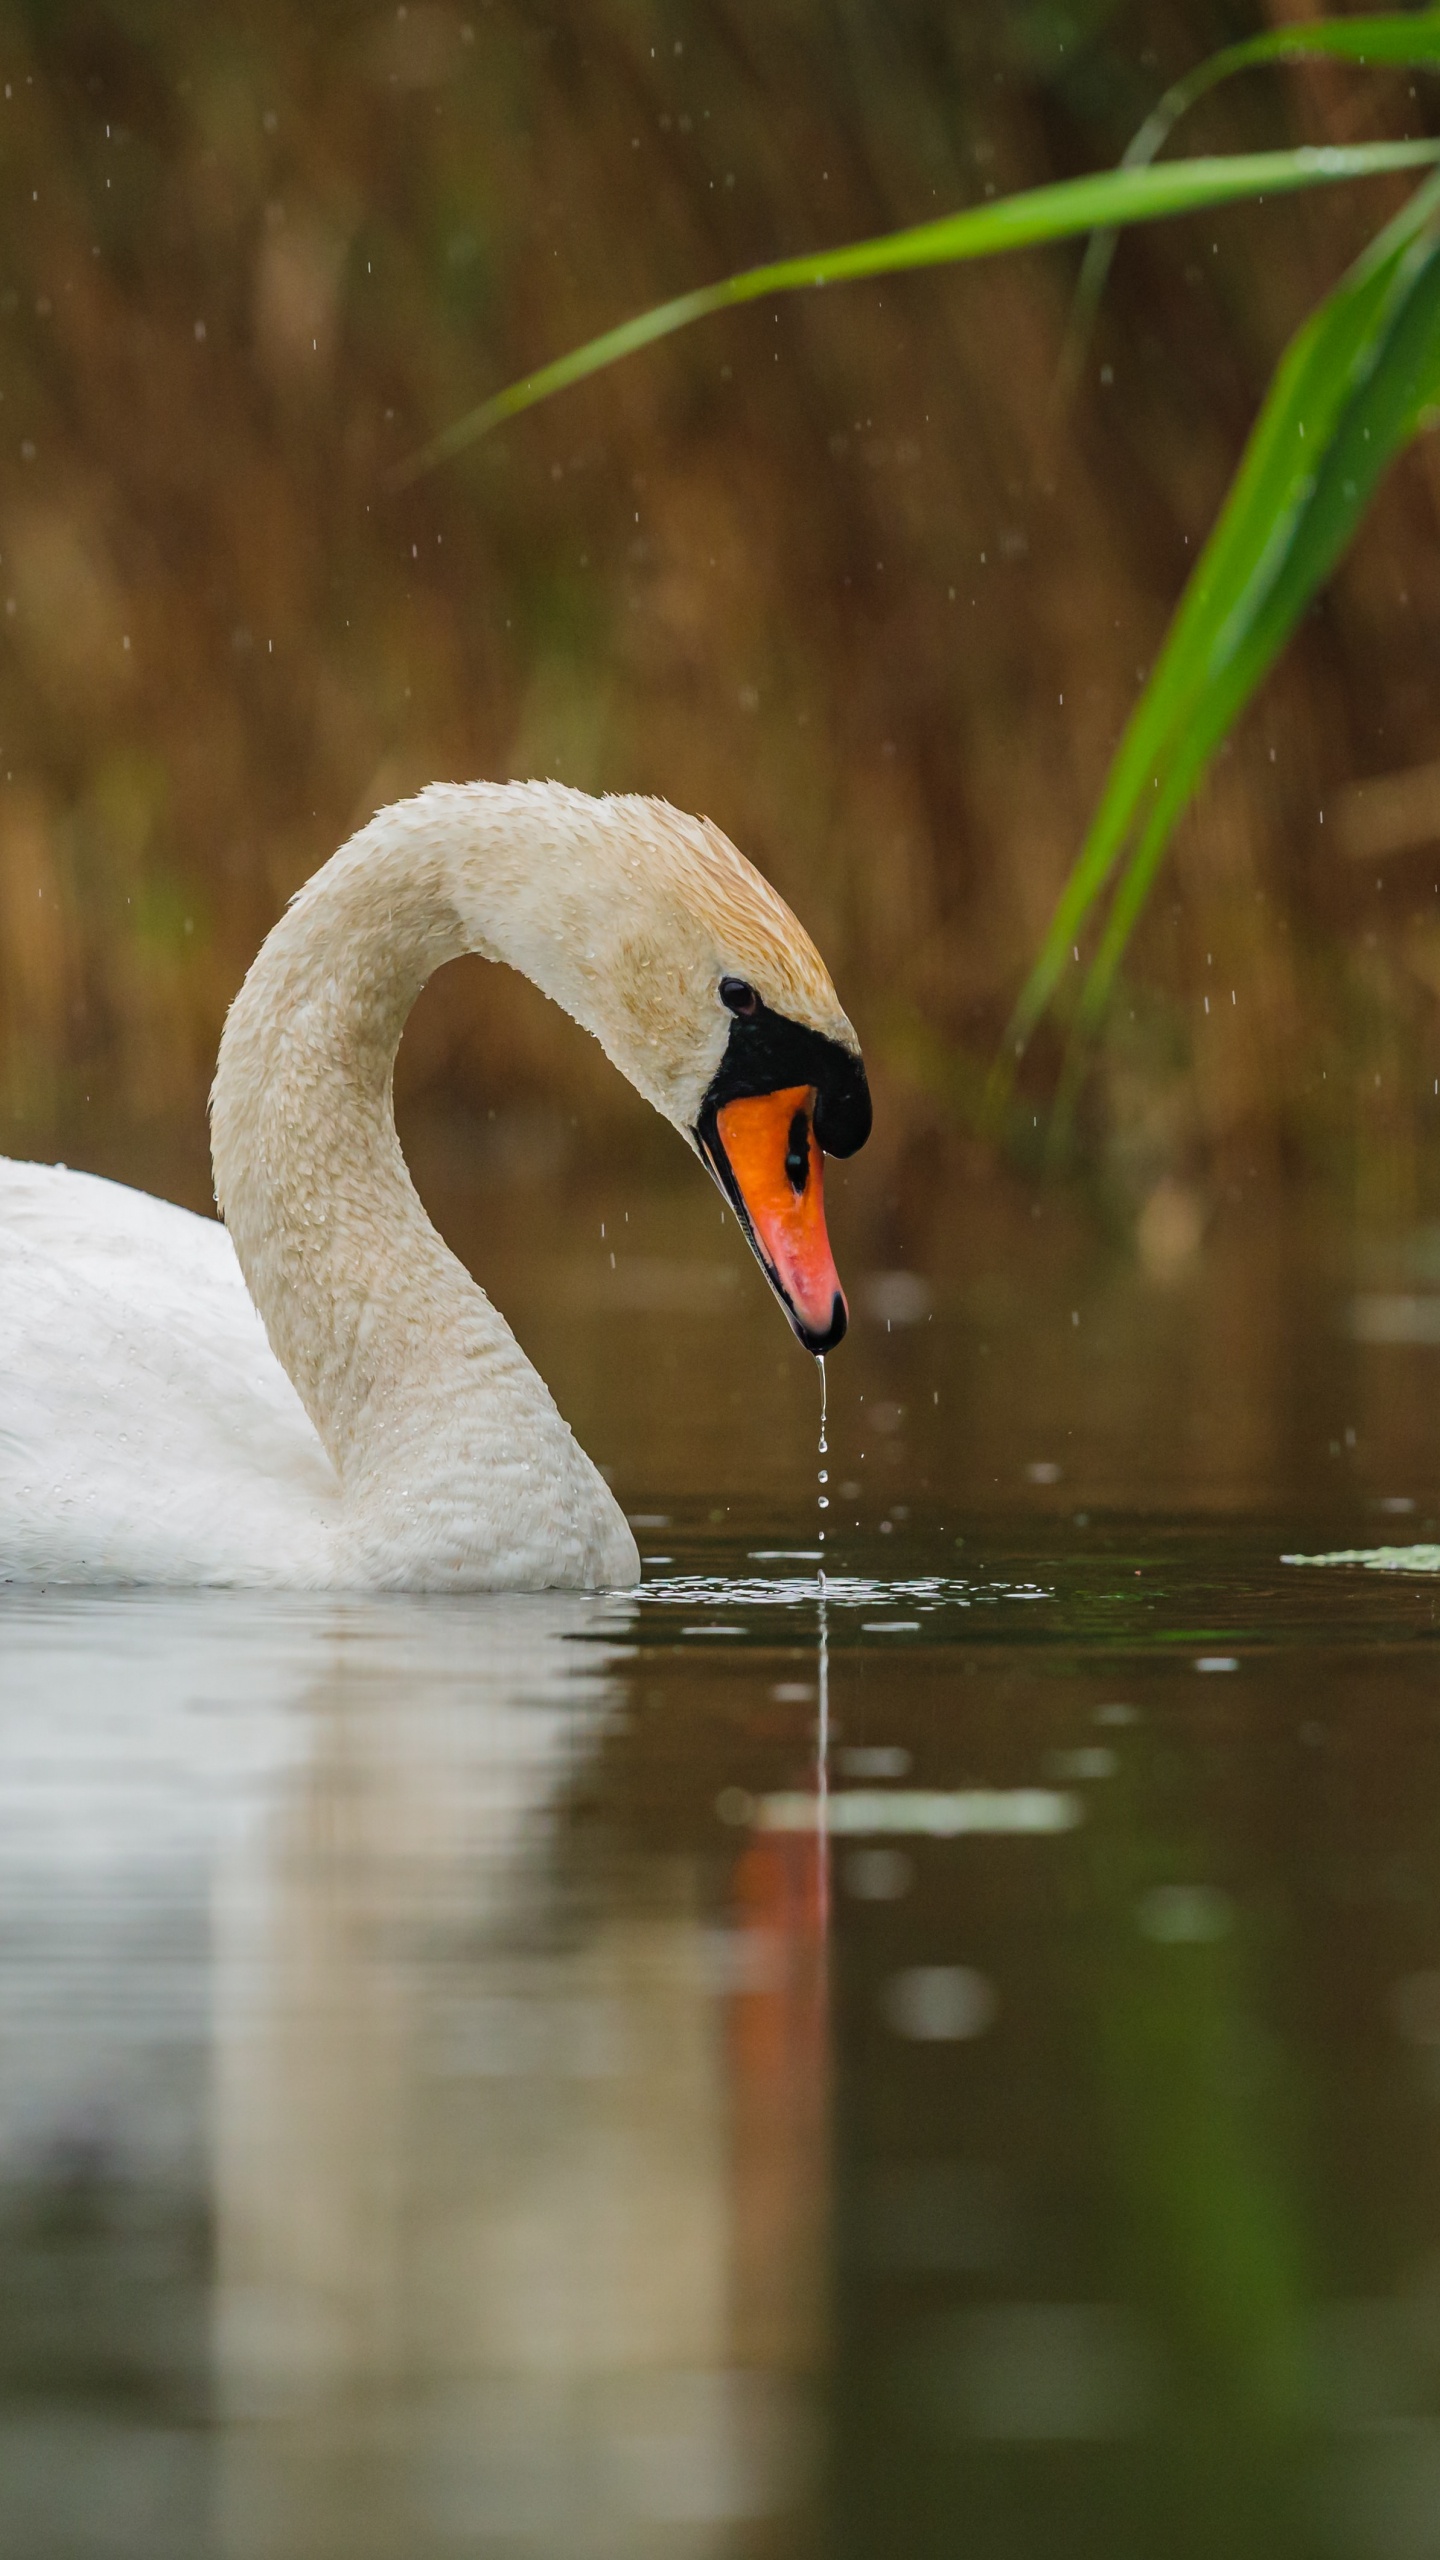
695 978
713 1000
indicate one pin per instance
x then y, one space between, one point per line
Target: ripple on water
926 1592
1418 1559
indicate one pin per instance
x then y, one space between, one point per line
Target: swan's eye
739 996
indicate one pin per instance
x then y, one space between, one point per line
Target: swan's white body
317 1395
147 1431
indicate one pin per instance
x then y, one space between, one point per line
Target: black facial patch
765 1053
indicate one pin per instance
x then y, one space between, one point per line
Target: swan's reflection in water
378 2175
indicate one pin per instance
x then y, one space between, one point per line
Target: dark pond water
945 2062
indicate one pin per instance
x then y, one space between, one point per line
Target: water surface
475 2079
442 2107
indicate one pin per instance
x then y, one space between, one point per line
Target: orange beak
770 1169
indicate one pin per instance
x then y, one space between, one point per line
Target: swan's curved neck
413 1380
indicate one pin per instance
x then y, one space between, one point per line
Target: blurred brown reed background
837 572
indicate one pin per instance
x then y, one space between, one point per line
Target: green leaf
1270 489
1398 40
1041 214
1380 419
1349 393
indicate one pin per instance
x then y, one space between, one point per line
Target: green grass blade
1398 40
1041 214
1392 384
1401 384
1316 377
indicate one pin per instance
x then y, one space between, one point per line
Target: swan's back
147 1431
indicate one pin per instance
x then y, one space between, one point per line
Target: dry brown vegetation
835 572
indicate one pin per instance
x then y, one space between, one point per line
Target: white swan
376 1424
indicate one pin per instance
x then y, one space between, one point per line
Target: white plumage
147 1431
317 1395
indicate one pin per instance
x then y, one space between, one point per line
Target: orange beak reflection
771 1169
